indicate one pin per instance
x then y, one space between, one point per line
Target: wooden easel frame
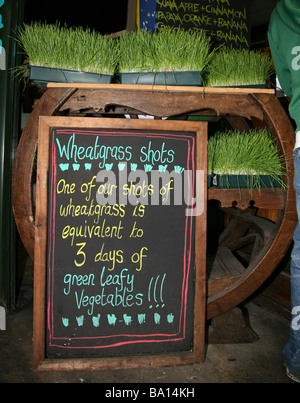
40 362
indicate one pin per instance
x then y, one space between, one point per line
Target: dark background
105 16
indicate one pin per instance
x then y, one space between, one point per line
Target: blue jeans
292 349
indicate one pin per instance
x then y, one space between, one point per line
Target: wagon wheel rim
53 101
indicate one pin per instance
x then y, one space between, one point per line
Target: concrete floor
257 362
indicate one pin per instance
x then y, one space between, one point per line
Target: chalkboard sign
118 220
227 22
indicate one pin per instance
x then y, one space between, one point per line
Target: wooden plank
170 88
225 265
266 198
113 363
261 225
40 251
220 284
131 15
225 271
200 235
162 103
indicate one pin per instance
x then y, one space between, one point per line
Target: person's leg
292 349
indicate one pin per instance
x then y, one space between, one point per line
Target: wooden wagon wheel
270 240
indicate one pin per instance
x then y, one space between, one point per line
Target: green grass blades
252 152
163 51
238 67
76 48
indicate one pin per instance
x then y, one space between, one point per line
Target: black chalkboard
121 227
227 22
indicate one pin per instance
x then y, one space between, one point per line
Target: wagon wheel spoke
240 246
236 227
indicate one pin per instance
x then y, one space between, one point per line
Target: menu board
121 227
227 22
